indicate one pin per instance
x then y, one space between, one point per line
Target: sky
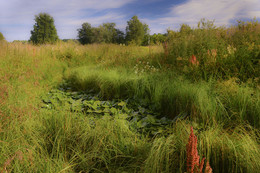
17 16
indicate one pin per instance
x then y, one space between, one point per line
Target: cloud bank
224 12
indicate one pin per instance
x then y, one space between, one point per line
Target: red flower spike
208 169
202 164
192 152
193 158
193 60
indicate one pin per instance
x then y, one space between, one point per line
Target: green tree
44 30
120 37
2 36
146 39
158 39
86 34
185 29
136 31
109 32
105 33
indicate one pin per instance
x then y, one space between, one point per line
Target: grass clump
225 150
91 144
220 52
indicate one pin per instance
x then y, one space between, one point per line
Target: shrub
220 52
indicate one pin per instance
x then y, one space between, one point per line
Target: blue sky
17 16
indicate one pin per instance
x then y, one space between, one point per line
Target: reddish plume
192 153
208 169
193 158
193 60
201 165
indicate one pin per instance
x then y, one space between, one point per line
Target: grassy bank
171 95
65 130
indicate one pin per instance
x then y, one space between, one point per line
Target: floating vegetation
140 118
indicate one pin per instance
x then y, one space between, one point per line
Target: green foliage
130 108
120 37
85 34
136 31
143 67
185 28
221 147
188 98
108 32
157 39
140 118
105 33
220 52
2 36
21 41
44 30
70 40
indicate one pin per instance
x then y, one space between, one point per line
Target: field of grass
114 108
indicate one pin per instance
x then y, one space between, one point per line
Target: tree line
105 33
136 33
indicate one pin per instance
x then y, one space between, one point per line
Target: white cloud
96 20
222 11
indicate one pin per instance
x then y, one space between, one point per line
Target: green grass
223 109
221 53
222 148
172 96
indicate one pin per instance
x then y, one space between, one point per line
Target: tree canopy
136 31
105 33
85 34
185 28
44 30
157 39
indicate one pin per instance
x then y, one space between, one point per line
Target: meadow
114 108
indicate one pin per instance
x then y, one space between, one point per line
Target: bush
208 51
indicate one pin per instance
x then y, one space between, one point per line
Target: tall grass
221 52
224 113
26 73
222 148
173 96
62 141
86 143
